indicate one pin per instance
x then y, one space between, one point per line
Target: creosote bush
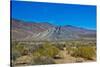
18 50
85 52
46 50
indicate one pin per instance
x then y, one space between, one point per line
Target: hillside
44 31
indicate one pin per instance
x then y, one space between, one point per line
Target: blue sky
59 14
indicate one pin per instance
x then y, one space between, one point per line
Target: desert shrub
21 48
43 60
60 46
46 50
85 52
15 54
44 54
18 50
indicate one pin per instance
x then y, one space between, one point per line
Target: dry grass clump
85 52
46 50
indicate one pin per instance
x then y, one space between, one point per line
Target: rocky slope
33 31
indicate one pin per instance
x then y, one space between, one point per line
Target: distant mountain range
33 31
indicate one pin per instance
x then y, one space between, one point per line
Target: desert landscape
44 43
52 33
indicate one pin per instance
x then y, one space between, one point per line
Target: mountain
35 31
